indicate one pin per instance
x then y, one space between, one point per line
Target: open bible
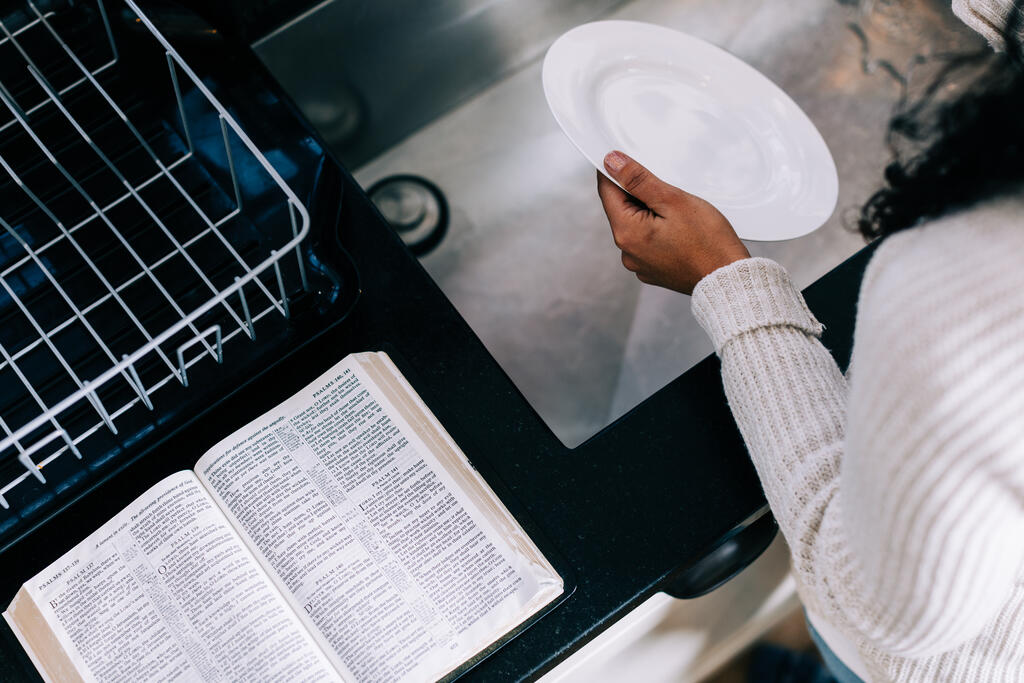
341 536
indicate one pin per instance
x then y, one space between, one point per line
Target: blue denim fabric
773 664
835 666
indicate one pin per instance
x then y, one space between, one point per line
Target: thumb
637 180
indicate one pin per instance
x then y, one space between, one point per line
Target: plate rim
548 87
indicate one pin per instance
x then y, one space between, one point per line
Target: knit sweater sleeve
902 533
788 398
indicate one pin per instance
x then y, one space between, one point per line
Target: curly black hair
963 150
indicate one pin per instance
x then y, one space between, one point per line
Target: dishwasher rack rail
133 244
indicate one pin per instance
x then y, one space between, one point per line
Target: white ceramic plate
697 117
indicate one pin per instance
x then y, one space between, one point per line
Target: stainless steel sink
528 259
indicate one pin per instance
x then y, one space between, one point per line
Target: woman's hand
673 239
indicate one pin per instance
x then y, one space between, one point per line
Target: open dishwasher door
161 239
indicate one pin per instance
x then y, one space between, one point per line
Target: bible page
396 560
166 590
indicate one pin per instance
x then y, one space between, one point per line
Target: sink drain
416 209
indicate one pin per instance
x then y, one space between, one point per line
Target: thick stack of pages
343 535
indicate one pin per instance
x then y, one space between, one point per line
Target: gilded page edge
39 640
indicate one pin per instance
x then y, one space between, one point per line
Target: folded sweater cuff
746 295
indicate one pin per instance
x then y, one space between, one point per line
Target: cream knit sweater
900 490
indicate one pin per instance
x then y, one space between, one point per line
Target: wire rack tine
95 207
17 444
34 469
140 388
192 342
231 161
245 309
181 101
110 33
124 181
94 399
298 250
149 150
280 284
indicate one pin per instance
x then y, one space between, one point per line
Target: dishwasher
151 253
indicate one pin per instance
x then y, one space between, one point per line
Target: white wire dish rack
127 247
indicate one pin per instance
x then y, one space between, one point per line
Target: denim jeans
835 666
